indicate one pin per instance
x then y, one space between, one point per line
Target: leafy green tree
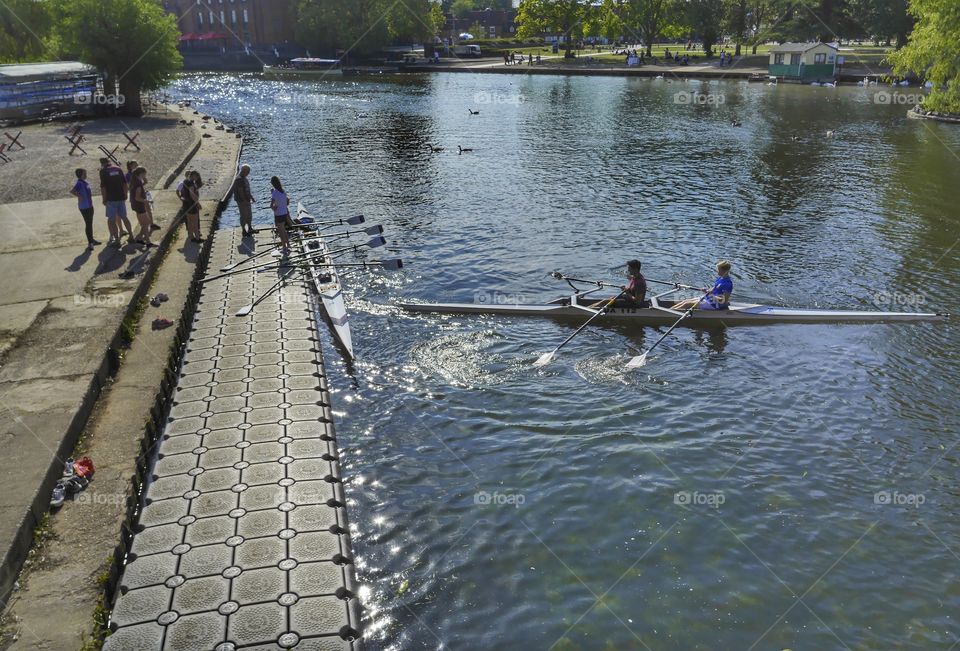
604 21
26 30
647 19
566 17
883 21
737 11
460 8
705 19
362 27
133 41
934 52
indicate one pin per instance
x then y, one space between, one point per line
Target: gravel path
45 170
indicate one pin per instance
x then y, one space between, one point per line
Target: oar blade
545 359
392 265
374 230
638 361
353 221
244 311
376 242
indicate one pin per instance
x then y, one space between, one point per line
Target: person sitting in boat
719 297
634 292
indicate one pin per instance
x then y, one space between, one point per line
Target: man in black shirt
113 188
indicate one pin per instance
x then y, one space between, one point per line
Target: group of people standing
279 203
116 187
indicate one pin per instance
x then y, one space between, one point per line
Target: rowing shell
662 314
326 281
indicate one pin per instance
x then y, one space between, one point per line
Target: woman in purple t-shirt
81 190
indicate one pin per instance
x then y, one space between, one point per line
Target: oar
246 309
546 358
248 259
641 360
350 221
370 230
390 265
603 283
373 243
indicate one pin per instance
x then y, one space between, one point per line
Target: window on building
200 19
233 16
212 19
222 21
819 59
778 59
794 59
246 17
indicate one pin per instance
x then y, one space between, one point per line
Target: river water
755 488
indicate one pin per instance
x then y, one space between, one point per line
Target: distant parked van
467 50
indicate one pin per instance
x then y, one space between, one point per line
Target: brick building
494 23
233 24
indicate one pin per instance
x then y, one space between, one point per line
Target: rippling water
724 497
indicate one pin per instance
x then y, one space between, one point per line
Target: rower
719 297
634 292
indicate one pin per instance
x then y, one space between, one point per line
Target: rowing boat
326 282
661 312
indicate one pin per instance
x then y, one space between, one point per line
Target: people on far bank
81 190
280 203
244 197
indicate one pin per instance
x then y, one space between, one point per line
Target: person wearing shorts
113 188
138 203
280 203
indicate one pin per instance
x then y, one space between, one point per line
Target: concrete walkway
61 309
243 537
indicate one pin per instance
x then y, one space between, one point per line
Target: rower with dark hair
634 292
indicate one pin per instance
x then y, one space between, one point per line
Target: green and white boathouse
804 62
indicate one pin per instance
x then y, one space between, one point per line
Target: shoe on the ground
70 485
160 324
79 482
154 227
83 467
155 301
163 298
68 467
94 243
56 499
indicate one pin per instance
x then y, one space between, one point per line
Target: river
754 488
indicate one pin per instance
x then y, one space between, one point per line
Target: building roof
798 47
23 72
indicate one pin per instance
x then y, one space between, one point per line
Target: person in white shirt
280 203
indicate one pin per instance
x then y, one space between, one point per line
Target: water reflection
797 426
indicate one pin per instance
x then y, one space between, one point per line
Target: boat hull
738 314
327 284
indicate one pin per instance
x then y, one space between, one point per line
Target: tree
604 21
933 52
705 18
648 18
26 30
883 21
566 17
361 27
737 11
133 41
